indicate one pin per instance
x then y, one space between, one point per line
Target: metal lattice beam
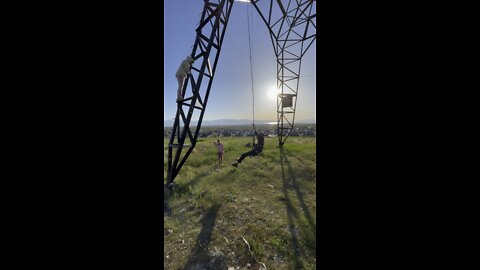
292 28
208 44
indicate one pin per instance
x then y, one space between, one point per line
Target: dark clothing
249 153
261 142
257 148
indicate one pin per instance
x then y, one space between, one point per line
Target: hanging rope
251 70
251 66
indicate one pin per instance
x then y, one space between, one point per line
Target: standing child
220 151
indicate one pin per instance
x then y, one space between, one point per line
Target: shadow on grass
199 258
229 173
307 213
166 207
179 189
293 215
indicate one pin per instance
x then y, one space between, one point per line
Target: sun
273 91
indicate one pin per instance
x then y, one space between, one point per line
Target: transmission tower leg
291 33
195 92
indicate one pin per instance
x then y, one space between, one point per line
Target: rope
251 71
251 66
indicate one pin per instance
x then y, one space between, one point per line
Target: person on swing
257 148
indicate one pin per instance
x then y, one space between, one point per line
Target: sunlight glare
273 92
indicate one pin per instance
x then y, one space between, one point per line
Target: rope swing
251 69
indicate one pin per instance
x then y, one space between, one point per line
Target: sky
231 93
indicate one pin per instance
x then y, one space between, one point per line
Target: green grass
269 200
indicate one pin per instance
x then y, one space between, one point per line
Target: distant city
247 130
232 122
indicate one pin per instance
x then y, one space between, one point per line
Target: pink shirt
219 147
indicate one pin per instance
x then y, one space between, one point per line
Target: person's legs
250 153
242 157
221 157
180 81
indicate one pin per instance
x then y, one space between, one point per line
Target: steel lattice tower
292 33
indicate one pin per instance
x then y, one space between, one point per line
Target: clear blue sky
231 94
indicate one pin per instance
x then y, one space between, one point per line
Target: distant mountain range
234 122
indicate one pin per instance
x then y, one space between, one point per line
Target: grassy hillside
269 200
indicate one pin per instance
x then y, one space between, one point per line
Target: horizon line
244 119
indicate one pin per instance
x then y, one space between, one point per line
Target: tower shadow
199 258
292 213
300 196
